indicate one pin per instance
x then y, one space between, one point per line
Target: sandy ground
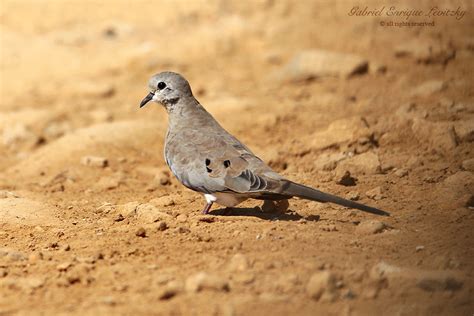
91 221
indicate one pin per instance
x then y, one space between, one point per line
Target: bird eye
161 85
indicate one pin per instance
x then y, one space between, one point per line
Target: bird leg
207 207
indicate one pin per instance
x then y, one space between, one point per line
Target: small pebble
375 194
141 232
370 227
162 226
94 161
119 217
401 173
353 195
182 218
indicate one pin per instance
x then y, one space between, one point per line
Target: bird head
167 88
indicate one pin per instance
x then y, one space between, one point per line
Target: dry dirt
92 223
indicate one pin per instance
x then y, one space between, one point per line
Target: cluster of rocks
323 285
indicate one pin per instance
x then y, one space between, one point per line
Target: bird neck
188 113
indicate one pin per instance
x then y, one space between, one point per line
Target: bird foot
207 208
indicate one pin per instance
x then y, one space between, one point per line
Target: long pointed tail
302 191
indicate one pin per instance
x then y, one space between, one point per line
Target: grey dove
206 158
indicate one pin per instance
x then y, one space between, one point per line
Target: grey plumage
206 158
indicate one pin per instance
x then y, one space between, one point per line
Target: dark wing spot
208 169
227 163
208 161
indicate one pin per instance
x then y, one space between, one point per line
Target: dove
207 159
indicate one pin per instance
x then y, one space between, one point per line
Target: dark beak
146 99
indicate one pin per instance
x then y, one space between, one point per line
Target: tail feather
302 191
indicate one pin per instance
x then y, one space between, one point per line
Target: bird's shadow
287 215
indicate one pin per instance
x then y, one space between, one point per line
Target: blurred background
334 94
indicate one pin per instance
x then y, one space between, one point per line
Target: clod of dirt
94 161
328 162
204 281
370 227
312 64
353 195
107 183
401 173
141 232
148 213
118 218
428 88
128 209
163 178
375 194
238 263
437 135
163 201
467 165
345 178
458 188
275 206
366 163
426 51
322 286
464 130
338 132
182 218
